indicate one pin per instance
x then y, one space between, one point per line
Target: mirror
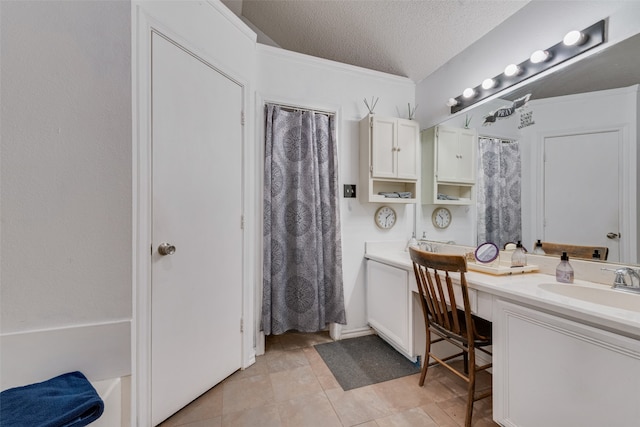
617 66
487 252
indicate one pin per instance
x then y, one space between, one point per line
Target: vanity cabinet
389 160
581 376
388 305
394 311
448 165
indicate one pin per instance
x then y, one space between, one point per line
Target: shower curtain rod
504 141
289 107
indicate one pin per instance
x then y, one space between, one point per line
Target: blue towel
67 400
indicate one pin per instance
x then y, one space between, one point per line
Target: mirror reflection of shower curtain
302 287
499 191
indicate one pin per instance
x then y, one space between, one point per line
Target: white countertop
525 289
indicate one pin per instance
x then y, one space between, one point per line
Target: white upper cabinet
448 165
394 146
389 158
455 151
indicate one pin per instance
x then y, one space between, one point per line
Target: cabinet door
456 154
388 305
467 148
407 149
550 371
383 143
446 154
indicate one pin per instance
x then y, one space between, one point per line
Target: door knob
613 235
166 249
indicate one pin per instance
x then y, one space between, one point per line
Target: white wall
66 174
306 81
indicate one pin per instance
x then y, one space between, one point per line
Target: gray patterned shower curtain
499 191
302 267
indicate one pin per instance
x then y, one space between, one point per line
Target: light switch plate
349 191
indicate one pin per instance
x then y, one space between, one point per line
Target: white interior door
582 190
197 207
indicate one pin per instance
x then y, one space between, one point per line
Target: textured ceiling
401 37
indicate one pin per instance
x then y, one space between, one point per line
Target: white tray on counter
501 270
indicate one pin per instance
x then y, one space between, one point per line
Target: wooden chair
575 251
447 322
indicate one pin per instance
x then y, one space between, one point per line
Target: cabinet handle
398 149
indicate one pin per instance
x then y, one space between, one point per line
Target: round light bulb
452 102
488 83
573 38
468 93
539 56
511 70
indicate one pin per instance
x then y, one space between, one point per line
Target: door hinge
371 168
241 222
241 324
242 118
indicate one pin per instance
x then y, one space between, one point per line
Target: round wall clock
385 217
441 217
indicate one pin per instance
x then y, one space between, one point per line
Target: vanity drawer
457 292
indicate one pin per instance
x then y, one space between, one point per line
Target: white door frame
261 100
143 24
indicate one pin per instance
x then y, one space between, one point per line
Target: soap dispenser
518 257
564 271
538 249
423 243
413 243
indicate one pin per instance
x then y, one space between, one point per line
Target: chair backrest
438 298
575 251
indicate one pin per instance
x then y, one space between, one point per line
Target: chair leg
471 388
425 363
469 413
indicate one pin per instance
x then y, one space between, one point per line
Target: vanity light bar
591 37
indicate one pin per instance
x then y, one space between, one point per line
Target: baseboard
354 333
100 351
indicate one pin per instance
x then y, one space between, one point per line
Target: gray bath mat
357 362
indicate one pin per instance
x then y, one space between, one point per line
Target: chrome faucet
620 283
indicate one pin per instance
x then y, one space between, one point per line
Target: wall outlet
349 191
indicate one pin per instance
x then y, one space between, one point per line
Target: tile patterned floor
290 386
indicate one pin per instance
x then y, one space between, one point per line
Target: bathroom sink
604 296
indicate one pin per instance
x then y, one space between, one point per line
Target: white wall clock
385 217
441 217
